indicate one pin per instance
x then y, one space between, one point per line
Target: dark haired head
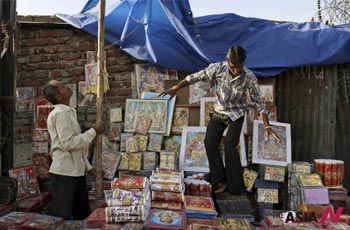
236 55
50 91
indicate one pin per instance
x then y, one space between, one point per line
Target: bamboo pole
99 101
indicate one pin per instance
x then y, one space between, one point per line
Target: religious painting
274 173
267 93
85 98
173 74
110 163
28 184
193 156
142 141
155 142
91 78
156 109
180 119
267 150
115 115
165 219
115 129
91 57
25 99
142 125
206 106
150 78
42 112
123 137
168 160
173 143
267 195
197 91
171 106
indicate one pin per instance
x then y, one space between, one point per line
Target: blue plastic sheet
165 33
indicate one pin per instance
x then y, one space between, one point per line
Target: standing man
69 163
233 80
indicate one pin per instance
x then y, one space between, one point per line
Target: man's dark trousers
70 197
232 173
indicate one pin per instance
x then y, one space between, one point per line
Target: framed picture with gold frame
193 156
180 119
206 106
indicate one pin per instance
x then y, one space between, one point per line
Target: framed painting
155 142
267 93
156 109
180 119
91 57
131 144
193 156
173 143
142 125
267 195
115 129
142 141
269 151
168 160
40 98
197 91
123 137
25 99
115 114
110 161
28 184
150 78
173 74
171 106
85 98
91 78
206 106
42 113
40 135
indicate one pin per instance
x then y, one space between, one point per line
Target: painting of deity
156 109
193 156
269 151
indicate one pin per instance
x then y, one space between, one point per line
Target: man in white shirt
69 163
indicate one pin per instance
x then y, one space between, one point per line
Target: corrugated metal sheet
315 101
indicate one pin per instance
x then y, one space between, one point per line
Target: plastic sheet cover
164 32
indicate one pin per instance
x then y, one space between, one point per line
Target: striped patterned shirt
231 94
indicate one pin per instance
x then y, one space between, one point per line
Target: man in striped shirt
233 80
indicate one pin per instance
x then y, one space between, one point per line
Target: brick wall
47 49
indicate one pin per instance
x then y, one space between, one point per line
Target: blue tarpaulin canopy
164 32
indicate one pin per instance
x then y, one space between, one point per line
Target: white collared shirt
67 142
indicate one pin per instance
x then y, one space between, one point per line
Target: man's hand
98 128
92 172
269 131
172 92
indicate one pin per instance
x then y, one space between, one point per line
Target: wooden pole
99 101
